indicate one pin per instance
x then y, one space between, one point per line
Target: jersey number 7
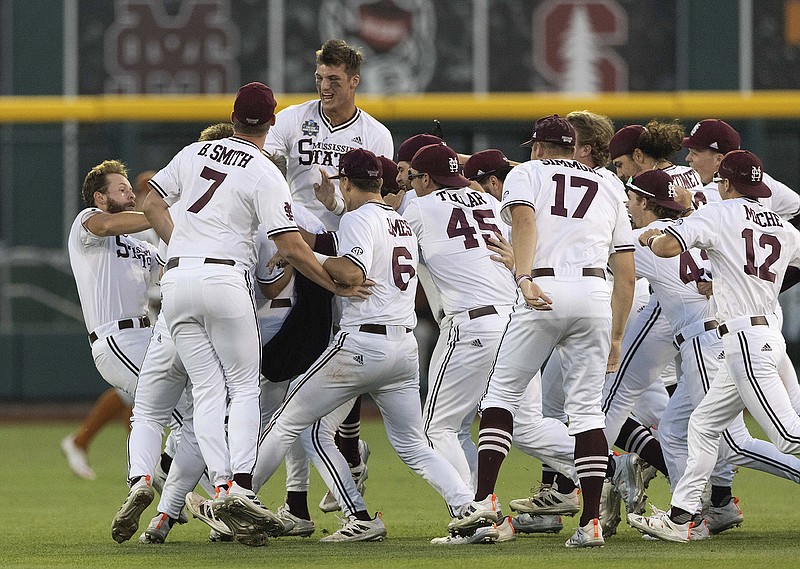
216 179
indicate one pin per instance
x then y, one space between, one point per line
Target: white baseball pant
579 328
118 356
457 379
212 319
355 363
749 379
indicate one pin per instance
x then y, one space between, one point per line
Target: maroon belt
551 272
481 311
754 321
175 261
376 329
144 322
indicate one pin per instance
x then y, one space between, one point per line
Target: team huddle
578 310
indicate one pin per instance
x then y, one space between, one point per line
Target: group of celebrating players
578 310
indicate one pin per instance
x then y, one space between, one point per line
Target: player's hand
277 261
325 191
395 200
361 291
505 253
647 235
683 197
706 288
613 356
534 297
141 187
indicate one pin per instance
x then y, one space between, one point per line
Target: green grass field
50 518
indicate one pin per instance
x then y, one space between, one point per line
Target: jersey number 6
399 269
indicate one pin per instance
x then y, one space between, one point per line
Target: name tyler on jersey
475 198
227 156
763 218
321 153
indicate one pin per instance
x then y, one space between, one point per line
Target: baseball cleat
530 523
293 525
126 522
628 479
359 473
354 529
550 501
720 518
475 515
590 535
661 526
610 513
249 521
157 530
77 459
505 530
203 510
486 534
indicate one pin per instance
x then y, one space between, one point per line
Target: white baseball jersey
305 136
749 258
112 273
266 249
706 195
560 189
784 200
383 246
245 187
452 226
674 281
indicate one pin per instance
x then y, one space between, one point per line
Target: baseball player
207 291
551 200
749 248
374 351
314 135
708 141
113 272
690 313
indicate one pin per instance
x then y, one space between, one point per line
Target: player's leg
752 358
112 404
334 378
458 380
526 343
162 381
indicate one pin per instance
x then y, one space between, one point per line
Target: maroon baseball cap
484 163
625 140
656 185
713 134
359 163
746 173
552 129
255 104
407 150
440 162
389 176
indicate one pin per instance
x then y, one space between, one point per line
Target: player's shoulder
374 123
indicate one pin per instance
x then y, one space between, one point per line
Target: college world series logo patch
310 128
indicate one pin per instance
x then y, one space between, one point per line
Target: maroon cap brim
760 190
687 143
453 180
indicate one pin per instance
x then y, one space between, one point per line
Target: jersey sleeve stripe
507 205
157 188
677 236
287 229
272 279
160 261
358 263
625 247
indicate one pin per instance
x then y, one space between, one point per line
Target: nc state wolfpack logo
287 209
